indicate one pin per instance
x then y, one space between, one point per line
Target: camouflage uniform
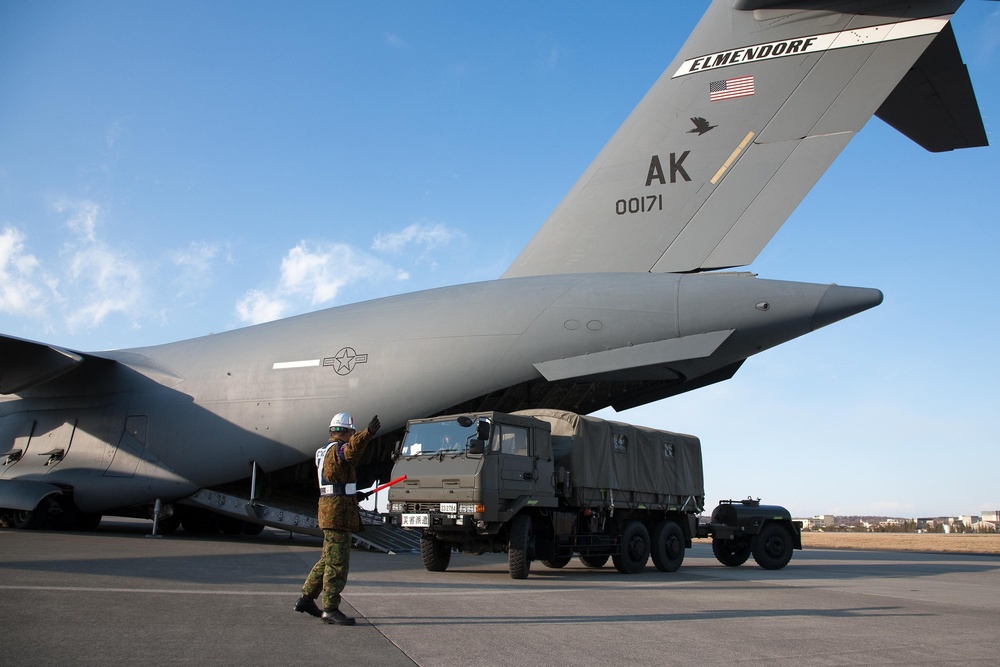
339 518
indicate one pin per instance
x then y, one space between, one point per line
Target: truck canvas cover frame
624 463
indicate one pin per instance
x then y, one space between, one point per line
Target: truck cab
468 475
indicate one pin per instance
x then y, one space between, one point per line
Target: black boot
306 605
337 616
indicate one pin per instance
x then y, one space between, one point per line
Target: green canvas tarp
615 456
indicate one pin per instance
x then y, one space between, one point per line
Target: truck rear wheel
635 549
668 546
772 546
435 553
731 553
557 562
519 547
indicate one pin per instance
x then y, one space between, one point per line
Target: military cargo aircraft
625 295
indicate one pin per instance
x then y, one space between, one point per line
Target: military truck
549 485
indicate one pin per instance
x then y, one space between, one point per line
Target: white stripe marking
813 44
281 365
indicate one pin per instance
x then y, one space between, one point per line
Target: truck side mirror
477 446
483 430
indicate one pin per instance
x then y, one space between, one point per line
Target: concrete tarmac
117 597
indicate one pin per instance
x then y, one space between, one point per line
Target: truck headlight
397 508
471 508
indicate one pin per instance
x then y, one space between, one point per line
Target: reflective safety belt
326 487
348 489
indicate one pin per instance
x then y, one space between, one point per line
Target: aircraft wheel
772 546
435 553
33 519
731 553
86 522
556 563
199 522
635 549
594 562
519 547
668 546
231 526
168 525
252 528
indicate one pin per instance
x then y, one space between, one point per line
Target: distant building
807 524
968 521
824 520
993 516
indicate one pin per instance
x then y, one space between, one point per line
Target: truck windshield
436 437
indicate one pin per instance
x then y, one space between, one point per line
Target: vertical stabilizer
737 130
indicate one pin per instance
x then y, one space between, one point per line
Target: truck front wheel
635 549
668 546
772 546
435 553
519 547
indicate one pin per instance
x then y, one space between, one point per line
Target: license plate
449 508
416 521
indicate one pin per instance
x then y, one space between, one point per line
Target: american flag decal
741 86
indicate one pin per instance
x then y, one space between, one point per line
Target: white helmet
342 420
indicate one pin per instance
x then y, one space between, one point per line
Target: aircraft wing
757 105
25 364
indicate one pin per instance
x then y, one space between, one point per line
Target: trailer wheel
519 547
594 562
635 549
668 546
435 553
556 563
731 553
772 546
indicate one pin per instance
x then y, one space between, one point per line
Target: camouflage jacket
341 512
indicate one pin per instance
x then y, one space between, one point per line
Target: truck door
517 465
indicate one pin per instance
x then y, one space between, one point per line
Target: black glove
361 495
374 425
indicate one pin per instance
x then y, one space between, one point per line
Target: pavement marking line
353 594
95 589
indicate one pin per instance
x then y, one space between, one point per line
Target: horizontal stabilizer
934 104
626 362
25 364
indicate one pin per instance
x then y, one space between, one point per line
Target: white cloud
418 238
315 274
83 217
311 276
256 307
20 294
395 41
102 282
94 280
194 264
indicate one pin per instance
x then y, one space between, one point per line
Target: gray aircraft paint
577 323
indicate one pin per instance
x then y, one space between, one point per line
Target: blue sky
169 170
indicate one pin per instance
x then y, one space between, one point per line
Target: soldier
338 517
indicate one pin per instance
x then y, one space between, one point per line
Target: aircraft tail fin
761 99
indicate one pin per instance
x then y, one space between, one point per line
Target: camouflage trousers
329 574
